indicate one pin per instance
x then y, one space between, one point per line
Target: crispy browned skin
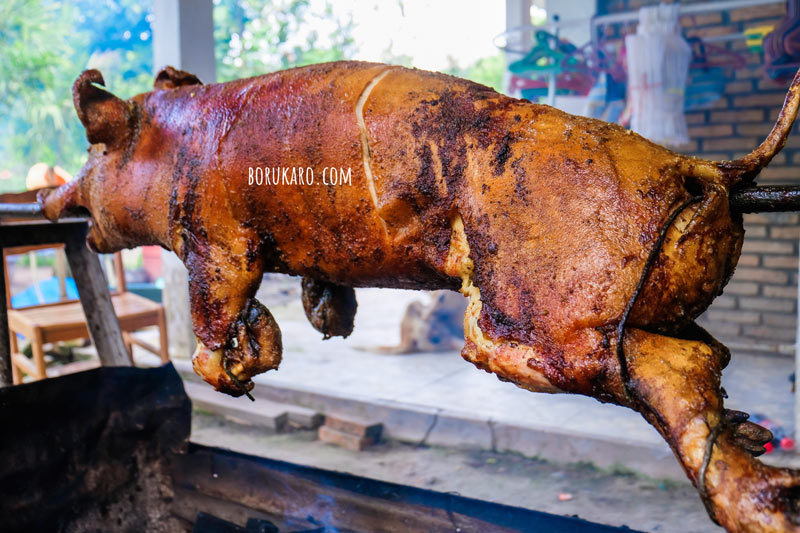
544 220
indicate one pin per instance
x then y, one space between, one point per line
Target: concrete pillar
183 37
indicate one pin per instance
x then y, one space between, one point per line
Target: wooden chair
65 320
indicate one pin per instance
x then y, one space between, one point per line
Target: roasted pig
585 251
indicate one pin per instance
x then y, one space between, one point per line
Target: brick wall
758 308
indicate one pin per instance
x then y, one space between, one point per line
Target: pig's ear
107 119
170 78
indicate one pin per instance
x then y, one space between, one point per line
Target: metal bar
755 199
21 210
765 199
18 233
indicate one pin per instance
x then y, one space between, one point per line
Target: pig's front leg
238 337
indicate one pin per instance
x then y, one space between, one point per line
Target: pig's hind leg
675 384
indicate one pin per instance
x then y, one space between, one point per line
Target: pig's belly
335 234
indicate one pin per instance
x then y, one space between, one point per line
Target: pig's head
121 185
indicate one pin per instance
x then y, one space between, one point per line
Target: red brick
738 87
766 304
756 218
785 232
725 302
739 45
741 287
781 320
733 143
783 291
736 117
757 129
772 99
749 260
738 317
715 130
749 73
777 261
753 59
696 118
778 9
722 329
793 141
770 333
763 275
700 19
344 440
767 247
688 148
711 31
768 84
779 173
753 232
354 427
786 219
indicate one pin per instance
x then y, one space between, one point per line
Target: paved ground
755 384
346 367
443 385
617 499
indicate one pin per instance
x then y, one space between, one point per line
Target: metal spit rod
21 210
761 199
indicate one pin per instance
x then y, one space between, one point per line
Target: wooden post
96 301
6 378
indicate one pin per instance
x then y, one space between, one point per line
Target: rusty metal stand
89 278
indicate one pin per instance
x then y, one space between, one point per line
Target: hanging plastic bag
658 63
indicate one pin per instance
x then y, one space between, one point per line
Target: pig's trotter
254 347
256 344
330 308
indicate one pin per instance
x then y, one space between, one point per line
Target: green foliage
253 38
487 71
39 122
45 46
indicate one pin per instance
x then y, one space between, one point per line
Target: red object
768 446
151 261
787 443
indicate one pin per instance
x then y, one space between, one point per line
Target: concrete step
297 417
263 413
449 427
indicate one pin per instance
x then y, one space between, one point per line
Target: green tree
487 70
45 46
253 37
39 123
